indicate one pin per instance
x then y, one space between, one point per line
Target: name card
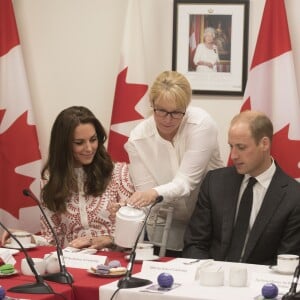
83 261
181 273
282 281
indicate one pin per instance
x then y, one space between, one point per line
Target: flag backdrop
130 101
271 86
19 152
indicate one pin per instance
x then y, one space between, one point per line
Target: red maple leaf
127 95
246 105
286 152
18 146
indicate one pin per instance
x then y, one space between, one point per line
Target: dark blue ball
2 293
269 290
165 280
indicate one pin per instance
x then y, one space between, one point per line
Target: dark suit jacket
275 230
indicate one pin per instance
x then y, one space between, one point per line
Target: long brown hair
59 168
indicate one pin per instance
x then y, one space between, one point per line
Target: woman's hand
5 237
98 242
141 199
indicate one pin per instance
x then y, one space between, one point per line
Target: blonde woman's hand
141 199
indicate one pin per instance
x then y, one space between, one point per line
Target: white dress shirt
174 169
259 191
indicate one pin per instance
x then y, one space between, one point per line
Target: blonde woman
169 153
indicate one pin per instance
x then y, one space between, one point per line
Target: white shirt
174 169
259 191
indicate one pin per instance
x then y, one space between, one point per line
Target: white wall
72 49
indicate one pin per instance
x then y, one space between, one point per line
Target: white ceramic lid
131 213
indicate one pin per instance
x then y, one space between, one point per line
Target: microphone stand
63 276
291 294
128 282
39 287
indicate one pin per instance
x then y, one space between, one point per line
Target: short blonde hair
173 86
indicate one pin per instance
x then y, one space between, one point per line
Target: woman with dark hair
82 188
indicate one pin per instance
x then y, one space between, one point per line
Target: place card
283 282
82 261
181 273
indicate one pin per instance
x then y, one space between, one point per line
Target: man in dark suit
274 225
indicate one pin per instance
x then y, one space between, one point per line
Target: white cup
40 266
52 264
23 237
144 250
211 276
238 275
287 262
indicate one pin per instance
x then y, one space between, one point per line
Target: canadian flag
130 101
271 86
20 159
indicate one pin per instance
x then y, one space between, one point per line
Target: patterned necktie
242 223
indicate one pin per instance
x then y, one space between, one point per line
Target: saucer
10 274
27 246
11 251
110 275
143 258
275 269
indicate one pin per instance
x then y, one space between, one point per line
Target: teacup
287 262
52 264
39 263
238 275
23 237
144 250
211 276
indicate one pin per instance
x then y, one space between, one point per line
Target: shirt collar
264 178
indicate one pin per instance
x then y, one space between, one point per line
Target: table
85 286
192 290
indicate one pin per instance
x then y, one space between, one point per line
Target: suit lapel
230 195
272 199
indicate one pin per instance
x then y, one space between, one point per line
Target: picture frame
210 44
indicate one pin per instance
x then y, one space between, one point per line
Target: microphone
128 282
63 276
291 294
40 287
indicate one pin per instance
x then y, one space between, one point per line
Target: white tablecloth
258 275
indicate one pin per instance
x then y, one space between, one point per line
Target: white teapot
129 221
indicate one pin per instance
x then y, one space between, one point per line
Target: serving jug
129 222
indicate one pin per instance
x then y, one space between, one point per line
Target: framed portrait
210 44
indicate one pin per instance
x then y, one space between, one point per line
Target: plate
11 251
275 269
90 271
28 246
10 274
141 258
